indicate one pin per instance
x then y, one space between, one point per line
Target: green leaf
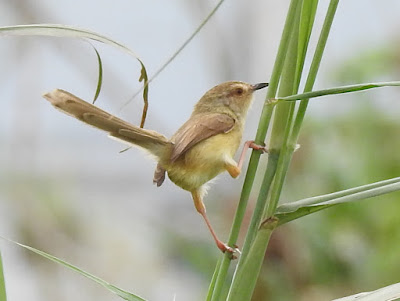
387 293
292 211
100 78
337 90
3 295
56 30
119 292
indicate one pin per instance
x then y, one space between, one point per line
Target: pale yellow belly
204 161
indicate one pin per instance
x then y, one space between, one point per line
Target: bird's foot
225 248
255 146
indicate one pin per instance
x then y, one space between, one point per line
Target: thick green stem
287 152
301 37
243 283
284 115
255 156
319 51
253 263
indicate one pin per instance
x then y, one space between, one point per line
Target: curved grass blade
3 295
387 293
119 292
100 78
143 77
291 211
337 90
56 30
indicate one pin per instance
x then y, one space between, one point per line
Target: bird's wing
199 127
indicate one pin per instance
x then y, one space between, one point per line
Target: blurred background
66 189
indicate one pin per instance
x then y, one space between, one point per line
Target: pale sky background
48 160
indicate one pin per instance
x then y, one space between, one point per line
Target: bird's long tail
68 103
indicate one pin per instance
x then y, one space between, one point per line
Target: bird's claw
255 146
225 248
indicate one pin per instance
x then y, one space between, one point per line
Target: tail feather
68 103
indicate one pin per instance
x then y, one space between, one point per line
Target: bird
202 148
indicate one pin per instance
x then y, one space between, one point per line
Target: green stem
319 51
255 156
243 283
284 115
253 263
288 149
287 152
213 280
301 38
3 295
263 127
260 204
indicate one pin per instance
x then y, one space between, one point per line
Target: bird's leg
198 203
235 169
246 146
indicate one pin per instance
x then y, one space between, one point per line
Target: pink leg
198 203
246 146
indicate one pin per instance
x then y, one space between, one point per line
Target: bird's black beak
259 86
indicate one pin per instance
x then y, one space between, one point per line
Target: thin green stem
178 51
308 10
260 205
183 46
3 295
213 280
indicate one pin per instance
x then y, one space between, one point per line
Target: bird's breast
204 161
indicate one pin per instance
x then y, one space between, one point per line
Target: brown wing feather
198 128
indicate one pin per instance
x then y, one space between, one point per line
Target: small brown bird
202 148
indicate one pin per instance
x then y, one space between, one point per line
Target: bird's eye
239 91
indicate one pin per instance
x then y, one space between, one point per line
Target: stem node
270 223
